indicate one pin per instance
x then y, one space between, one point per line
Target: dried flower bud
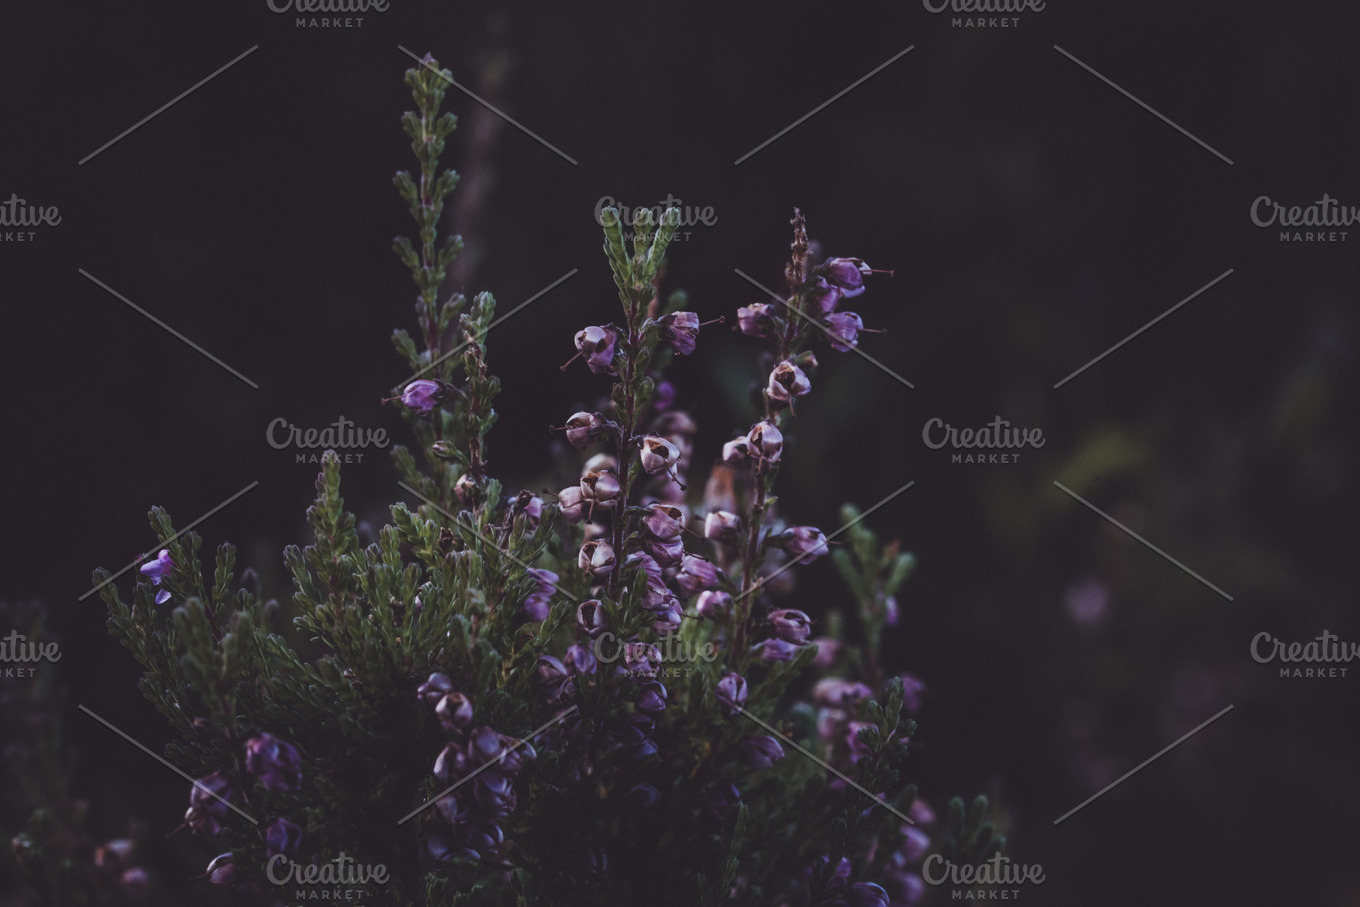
696 575
454 712
721 524
434 689
731 693
590 618
766 441
572 503
714 604
843 330
756 320
596 343
791 625
282 837
761 751
682 330
658 454
804 542
596 557
600 487
156 571
585 428
422 395
664 522
274 762
787 381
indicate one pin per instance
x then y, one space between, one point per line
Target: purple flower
664 522
762 751
450 764
572 503
642 659
791 625
668 619
659 596
843 330
536 604
596 343
666 553
454 712
282 837
484 745
913 688
584 428
421 395
550 671
682 330
274 762
774 649
714 604
847 274
494 794
756 320
804 542
696 575
837 692
580 660
156 571
921 813
720 797
222 870
866 894
766 440
736 450
916 844
721 525
787 381
652 697
207 804
642 796
433 690
890 611
600 486
649 565
658 454
596 558
828 650
590 617
136 884
731 693
823 296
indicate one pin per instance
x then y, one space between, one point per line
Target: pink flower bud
787 381
596 343
843 330
805 542
755 320
658 454
584 428
696 575
682 330
791 625
596 557
600 487
572 503
766 441
664 522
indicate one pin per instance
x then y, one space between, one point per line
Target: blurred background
1033 216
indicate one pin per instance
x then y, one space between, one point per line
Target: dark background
1033 216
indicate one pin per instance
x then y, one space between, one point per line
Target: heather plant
594 697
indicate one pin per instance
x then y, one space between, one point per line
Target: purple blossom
774 649
580 660
283 837
433 689
136 884
652 697
596 343
696 575
600 486
916 844
666 553
823 296
866 894
839 693
494 794
421 395
731 693
766 440
828 650
550 671
572 503
682 330
649 565
274 762
843 330
805 542
590 618
584 428
756 320
156 571
536 604
913 689
454 712
207 806
658 454
787 381
736 450
642 659
222 870
921 813
720 524
596 558
762 751
791 625
450 764
847 274
714 604
664 522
